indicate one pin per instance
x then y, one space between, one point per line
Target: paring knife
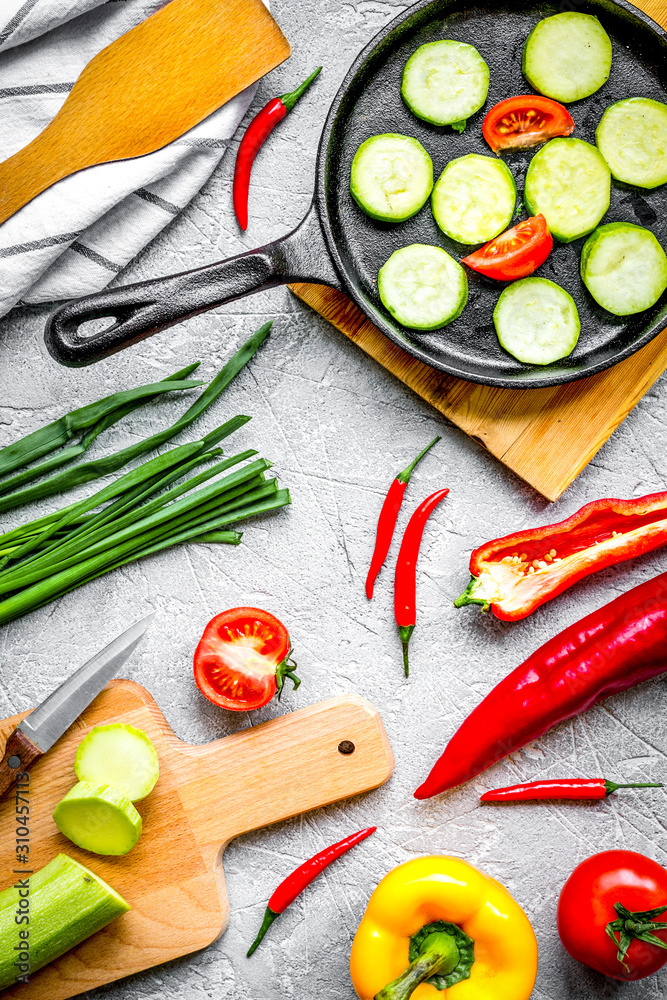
46 724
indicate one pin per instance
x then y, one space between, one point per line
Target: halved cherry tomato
525 121
243 658
610 914
516 253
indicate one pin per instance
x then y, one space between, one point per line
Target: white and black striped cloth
78 235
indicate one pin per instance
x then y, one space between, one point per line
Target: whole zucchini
44 915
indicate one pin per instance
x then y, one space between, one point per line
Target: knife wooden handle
20 754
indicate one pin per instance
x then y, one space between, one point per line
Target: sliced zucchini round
567 56
423 287
445 82
632 137
569 183
624 268
120 756
98 818
474 198
536 321
391 177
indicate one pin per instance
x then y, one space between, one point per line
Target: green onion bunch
161 503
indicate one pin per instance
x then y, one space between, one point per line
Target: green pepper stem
289 100
469 596
439 956
269 917
404 476
405 631
611 786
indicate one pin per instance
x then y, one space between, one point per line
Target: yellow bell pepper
431 889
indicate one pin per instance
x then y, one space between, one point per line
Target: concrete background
339 428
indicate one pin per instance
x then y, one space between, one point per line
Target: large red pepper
405 580
515 574
622 644
254 138
554 788
388 515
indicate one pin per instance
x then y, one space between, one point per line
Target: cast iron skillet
338 245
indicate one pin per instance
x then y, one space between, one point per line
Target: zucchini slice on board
98 819
567 56
624 268
632 137
569 183
474 198
537 321
445 82
391 177
68 903
120 756
423 287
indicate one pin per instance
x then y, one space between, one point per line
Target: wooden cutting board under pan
206 796
545 436
146 89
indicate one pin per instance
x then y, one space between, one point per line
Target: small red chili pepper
405 581
255 136
515 574
387 519
295 883
608 651
569 788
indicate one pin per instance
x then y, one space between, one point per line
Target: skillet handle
147 307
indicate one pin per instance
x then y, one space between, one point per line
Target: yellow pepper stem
439 955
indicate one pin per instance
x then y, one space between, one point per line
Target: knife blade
39 731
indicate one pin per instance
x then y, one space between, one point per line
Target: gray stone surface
338 428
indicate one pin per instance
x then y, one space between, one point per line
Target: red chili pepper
255 136
295 883
387 519
405 581
515 574
569 788
611 650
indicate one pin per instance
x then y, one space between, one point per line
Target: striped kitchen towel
78 235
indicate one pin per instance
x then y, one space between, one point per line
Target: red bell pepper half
515 574
610 650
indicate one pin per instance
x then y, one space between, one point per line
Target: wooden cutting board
206 795
546 436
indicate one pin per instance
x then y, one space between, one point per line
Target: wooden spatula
146 89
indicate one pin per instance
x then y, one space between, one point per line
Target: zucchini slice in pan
423 287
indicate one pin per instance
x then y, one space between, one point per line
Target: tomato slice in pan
243 658
525 121
516 253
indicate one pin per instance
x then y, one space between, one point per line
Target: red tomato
516 253
525 121
586 908
243 658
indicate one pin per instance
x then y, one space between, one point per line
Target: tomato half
516 253
525 121
586 909
243 658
